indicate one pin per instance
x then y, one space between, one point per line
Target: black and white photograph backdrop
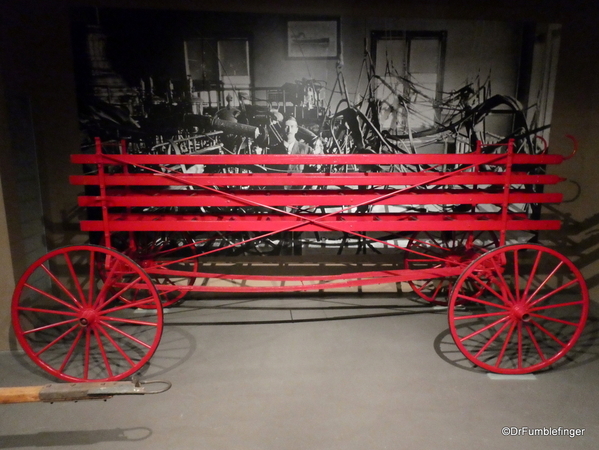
352 83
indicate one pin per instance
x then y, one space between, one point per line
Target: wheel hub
453 260
146 263
88 317
520 312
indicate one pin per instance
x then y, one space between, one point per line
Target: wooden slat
313 179
242 198
358 159
313 222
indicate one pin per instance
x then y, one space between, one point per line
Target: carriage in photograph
449 225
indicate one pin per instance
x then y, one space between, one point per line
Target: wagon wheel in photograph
153 251
532 309
340 138
439 249
80 326
350 130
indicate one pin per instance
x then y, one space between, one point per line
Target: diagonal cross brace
303 220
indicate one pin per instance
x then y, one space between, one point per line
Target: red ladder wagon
95 312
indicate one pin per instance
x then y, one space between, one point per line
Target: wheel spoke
425 283
502 282
545 281
505 344
488 288
555 319
492 339
520 352
437 289
57 340
67 357
48 311
136 304
117 347
103 353
51 297
535 342
75 280
127 335
472 287
483 329
480 316
128 321
559 305
92 277
532 274
108 282
62 287
552 293
119 293
86 354
165 280
547 332
50 326
482 302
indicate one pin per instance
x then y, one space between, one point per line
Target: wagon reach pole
73 392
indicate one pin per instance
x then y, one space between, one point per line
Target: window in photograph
410 67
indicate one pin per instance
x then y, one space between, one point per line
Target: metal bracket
99 390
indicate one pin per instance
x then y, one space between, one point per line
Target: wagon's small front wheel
82 323
531 310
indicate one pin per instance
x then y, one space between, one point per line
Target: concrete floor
341 371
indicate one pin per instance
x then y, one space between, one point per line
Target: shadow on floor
178 345
74 438
585 351
293 308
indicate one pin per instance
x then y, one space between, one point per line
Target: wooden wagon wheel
152 249
80 326
445 249
532 310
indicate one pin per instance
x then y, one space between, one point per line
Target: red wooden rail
444 179
359 195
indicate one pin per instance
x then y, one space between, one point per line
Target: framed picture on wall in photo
313 39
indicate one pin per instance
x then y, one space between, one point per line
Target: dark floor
341 371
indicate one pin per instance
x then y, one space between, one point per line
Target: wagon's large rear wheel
438 249
532 309
80 325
